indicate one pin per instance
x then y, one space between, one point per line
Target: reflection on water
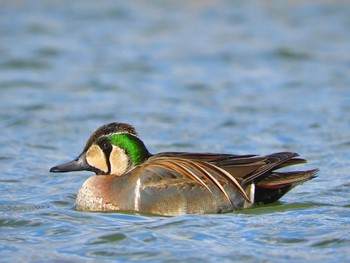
255 77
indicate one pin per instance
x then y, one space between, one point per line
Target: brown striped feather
206 175
175 167
196 170
227 177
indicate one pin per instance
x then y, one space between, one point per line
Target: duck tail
277 184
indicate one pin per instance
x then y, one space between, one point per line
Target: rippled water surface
221 76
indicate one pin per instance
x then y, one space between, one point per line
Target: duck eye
105 146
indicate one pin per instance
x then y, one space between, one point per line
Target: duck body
142 197
129 178
156 191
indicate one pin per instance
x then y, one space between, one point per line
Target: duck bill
78 164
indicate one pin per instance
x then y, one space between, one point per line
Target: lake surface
243 77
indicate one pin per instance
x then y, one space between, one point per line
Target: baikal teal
129 178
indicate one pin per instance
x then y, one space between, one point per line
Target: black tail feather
266 196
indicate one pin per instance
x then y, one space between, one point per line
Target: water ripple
253 78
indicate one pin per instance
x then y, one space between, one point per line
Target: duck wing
244 168
163 170
209 170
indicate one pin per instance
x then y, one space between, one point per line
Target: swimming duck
130 178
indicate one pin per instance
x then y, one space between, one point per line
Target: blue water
221 76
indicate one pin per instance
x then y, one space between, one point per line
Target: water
230 76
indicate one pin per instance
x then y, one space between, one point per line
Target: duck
128 178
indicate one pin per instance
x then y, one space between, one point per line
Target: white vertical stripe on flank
137 195
250 190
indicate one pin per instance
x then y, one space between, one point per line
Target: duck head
113 148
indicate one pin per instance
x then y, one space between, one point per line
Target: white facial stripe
116 133
119 161
95 157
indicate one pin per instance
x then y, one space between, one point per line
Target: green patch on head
132 145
